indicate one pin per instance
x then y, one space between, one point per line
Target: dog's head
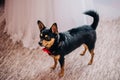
48 37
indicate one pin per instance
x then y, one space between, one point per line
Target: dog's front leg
61 60
56 58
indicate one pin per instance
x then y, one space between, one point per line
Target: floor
19 63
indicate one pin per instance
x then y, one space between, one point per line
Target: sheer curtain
22 15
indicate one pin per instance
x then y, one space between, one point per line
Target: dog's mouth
47 46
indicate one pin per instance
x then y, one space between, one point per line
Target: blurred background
21 58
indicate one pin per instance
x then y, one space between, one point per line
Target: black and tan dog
60 44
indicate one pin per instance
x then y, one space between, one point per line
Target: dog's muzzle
40 43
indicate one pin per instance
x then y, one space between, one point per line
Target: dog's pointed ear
54 28
40 25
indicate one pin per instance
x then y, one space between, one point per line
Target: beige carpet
19 63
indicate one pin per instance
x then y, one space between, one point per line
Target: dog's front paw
53 67
61 74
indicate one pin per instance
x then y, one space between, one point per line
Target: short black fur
68 41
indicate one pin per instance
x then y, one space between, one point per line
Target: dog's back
81 35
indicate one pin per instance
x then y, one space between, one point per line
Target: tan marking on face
48 44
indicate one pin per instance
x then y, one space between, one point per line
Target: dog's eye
47 38
41 34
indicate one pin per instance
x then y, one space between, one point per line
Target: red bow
47 51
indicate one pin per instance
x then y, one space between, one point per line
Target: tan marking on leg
56 58
83 53
92 56
61 74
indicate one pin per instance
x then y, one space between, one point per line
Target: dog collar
46 51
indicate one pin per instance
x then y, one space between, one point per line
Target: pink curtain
22 15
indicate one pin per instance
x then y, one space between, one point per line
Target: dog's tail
95 17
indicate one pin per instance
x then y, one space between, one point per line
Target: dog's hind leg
86 47
92 56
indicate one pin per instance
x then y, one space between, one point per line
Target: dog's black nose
40 43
